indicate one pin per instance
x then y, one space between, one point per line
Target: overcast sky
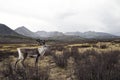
62 15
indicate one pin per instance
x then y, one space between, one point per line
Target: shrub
94 66
61 60
103 46
75 54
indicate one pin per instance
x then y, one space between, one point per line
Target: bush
75 54
61 60
6 54
103 46
95 66
57 47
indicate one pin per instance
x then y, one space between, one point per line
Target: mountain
64 36
7 35
49 34
39 34
92 34
54 35
22 34
26 32
74 33
5 31
42 34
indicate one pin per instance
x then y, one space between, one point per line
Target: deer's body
24 52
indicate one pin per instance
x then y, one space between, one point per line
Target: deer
24 52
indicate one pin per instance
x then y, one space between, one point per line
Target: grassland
65 61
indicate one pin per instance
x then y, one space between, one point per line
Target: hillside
5 30
24 31
7 35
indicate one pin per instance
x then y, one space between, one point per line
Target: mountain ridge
88 34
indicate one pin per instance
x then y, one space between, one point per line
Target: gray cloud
111 19
62 15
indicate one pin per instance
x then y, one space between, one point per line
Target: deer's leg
25 56
17 62
23 63
36 61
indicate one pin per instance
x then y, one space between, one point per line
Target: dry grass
66 62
